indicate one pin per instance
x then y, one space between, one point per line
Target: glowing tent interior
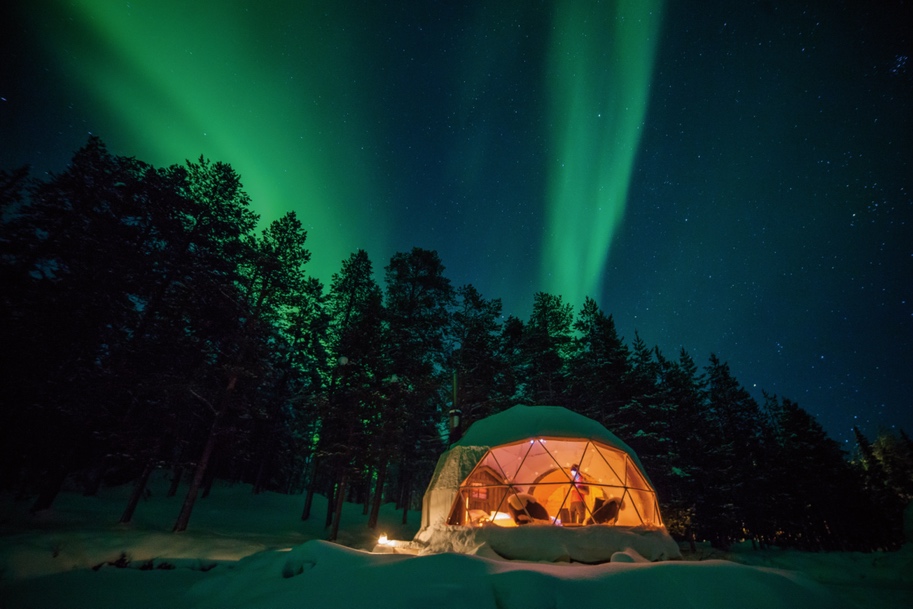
540 465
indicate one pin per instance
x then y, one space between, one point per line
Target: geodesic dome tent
530 465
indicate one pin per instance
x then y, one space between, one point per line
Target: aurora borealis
183 79
727 177
599 72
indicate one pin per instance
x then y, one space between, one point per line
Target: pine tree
510 345
894 453
477 361
273 272
886 504
598 364
731 504
685 388
546 348
351 405
815 499
74 244
294 315
197 236
304 327
641 395
418 302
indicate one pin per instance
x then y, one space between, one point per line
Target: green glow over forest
285 115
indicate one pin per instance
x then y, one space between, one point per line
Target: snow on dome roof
524 422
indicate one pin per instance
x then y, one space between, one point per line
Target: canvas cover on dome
575 470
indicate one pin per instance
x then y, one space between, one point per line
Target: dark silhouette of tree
274 269
728 506
301 353
684 387
895 454
352 402
546 349
145 324
886 511
815 498
640 393
510 344
293 342
418 302
598 365
73 255
480 367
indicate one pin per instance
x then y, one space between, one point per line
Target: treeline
146 323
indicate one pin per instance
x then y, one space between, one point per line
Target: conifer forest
149 322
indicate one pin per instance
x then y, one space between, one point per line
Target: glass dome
555 481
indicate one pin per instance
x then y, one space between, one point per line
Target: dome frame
610 488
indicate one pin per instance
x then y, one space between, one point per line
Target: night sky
730 177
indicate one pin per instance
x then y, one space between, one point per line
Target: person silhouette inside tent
579 491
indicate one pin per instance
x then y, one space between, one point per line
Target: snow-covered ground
249 551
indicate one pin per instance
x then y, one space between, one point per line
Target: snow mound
546 543
324 574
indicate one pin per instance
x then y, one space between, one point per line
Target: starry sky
728 177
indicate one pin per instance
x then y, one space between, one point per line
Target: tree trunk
400 485
197 481
138 490
49 490
211 472
332 494
378 498
176 476
200 470
366 494
309 499
407 494
93 484
265 457
340 499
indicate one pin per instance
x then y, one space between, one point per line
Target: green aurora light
600 67
293 98
286 114
773 210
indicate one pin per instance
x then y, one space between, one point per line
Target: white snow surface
547 543
245 551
